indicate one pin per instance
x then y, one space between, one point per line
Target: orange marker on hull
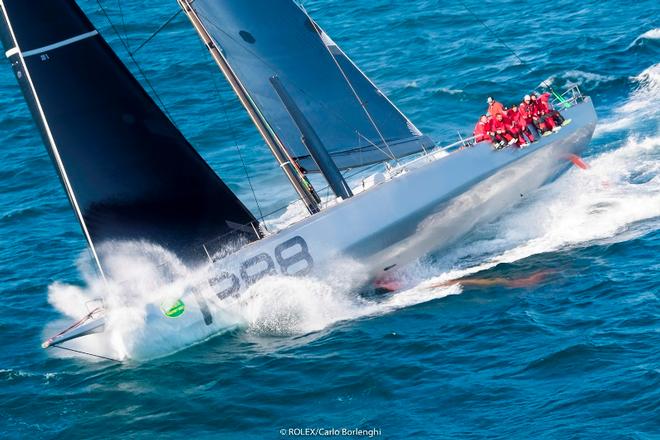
577 161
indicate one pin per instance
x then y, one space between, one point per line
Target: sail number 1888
292 257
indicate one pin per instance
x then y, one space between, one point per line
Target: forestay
355 121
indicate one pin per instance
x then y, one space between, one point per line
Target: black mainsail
127 170
261 39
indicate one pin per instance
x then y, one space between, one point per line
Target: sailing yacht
131 176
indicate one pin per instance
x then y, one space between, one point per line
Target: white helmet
489 100
527 98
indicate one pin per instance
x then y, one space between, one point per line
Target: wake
640 111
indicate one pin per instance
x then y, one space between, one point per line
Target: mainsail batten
128 172
261 39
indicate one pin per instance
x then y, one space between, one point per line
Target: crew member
481 129
494 107
501 132
544 118
544 99
518 126
518 119
527 112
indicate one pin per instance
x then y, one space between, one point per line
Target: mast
259 39
272 140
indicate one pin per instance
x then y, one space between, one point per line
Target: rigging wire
362 103
245 169
124 43
544 83
61 347
233 135
131 54
326 188
123 20
157 31
497 37
160 101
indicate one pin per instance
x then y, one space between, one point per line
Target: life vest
511 122
512 117
518 118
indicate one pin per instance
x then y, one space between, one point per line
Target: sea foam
651 34
640 110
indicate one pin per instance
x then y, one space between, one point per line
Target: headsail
128 171
262 39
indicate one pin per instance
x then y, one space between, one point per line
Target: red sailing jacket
499 126
495 108
481 131
545 99
542 107
527 111
517 119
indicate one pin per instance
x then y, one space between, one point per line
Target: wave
11 375
577 77
274 306
640 109
651 34
447 91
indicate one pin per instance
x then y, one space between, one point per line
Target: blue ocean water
555 337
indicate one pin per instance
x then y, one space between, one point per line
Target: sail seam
60 44
51 140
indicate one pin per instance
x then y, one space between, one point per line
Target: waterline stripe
12 51
60 44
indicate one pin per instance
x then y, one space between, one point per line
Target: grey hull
431 203
424 206
470 187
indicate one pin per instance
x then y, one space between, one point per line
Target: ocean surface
556 333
